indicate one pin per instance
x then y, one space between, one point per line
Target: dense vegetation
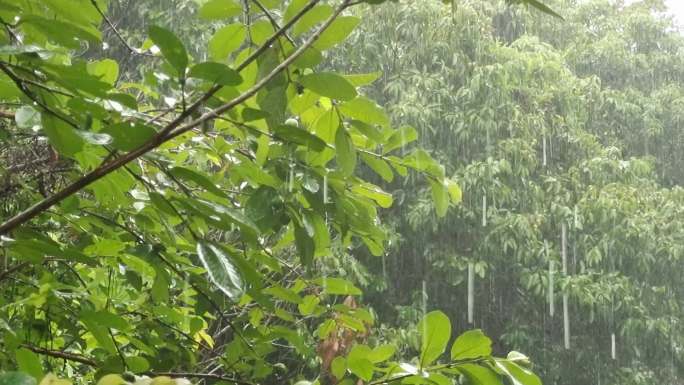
207 190
169 208
574 123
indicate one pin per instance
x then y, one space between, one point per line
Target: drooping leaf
338 32
221 270
129 136
16 378
300 136
346 153
29 362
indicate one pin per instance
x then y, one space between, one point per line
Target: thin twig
61 354
174 128
116 32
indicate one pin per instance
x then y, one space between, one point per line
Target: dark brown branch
173 129
6 115
12 270
60 354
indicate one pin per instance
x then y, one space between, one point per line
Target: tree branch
168 132
60 354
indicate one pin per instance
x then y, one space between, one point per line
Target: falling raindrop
552 299
484 210
471 289
566 322
325 188
290 178
612 346
544 150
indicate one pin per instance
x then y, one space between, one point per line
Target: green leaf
471 344
400 138
314 16
359 80
308 305
440 197
171 47
187 174
381 353
226 40
338 367
216 73
379 166
435 331
221 270
346 153
62 136
298 135
106 70
137 364
360 366
368 190
337 286
454 192
101 334
29 362
219 9
480 375
330 85
517 374
365 110
27 117
337 32
129 136
306 246
16 378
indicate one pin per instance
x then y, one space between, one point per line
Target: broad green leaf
308 305
359 80
16 378
440 197
454 192
29 362
365 110
471 344
106 70
101 335
221 270
338 367
346 153
111 379
299 136
129 136
337 32
337 286
62 136
220 9
27 117
517 374
379 166
435 331
400 138
480 375
314 16
187 174
216 73
381 353
368 190
137 364
361 367
171 47
226 40
330 85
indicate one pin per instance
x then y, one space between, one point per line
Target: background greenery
550 122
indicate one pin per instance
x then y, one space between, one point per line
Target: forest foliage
170 204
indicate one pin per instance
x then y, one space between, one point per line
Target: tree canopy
170 208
